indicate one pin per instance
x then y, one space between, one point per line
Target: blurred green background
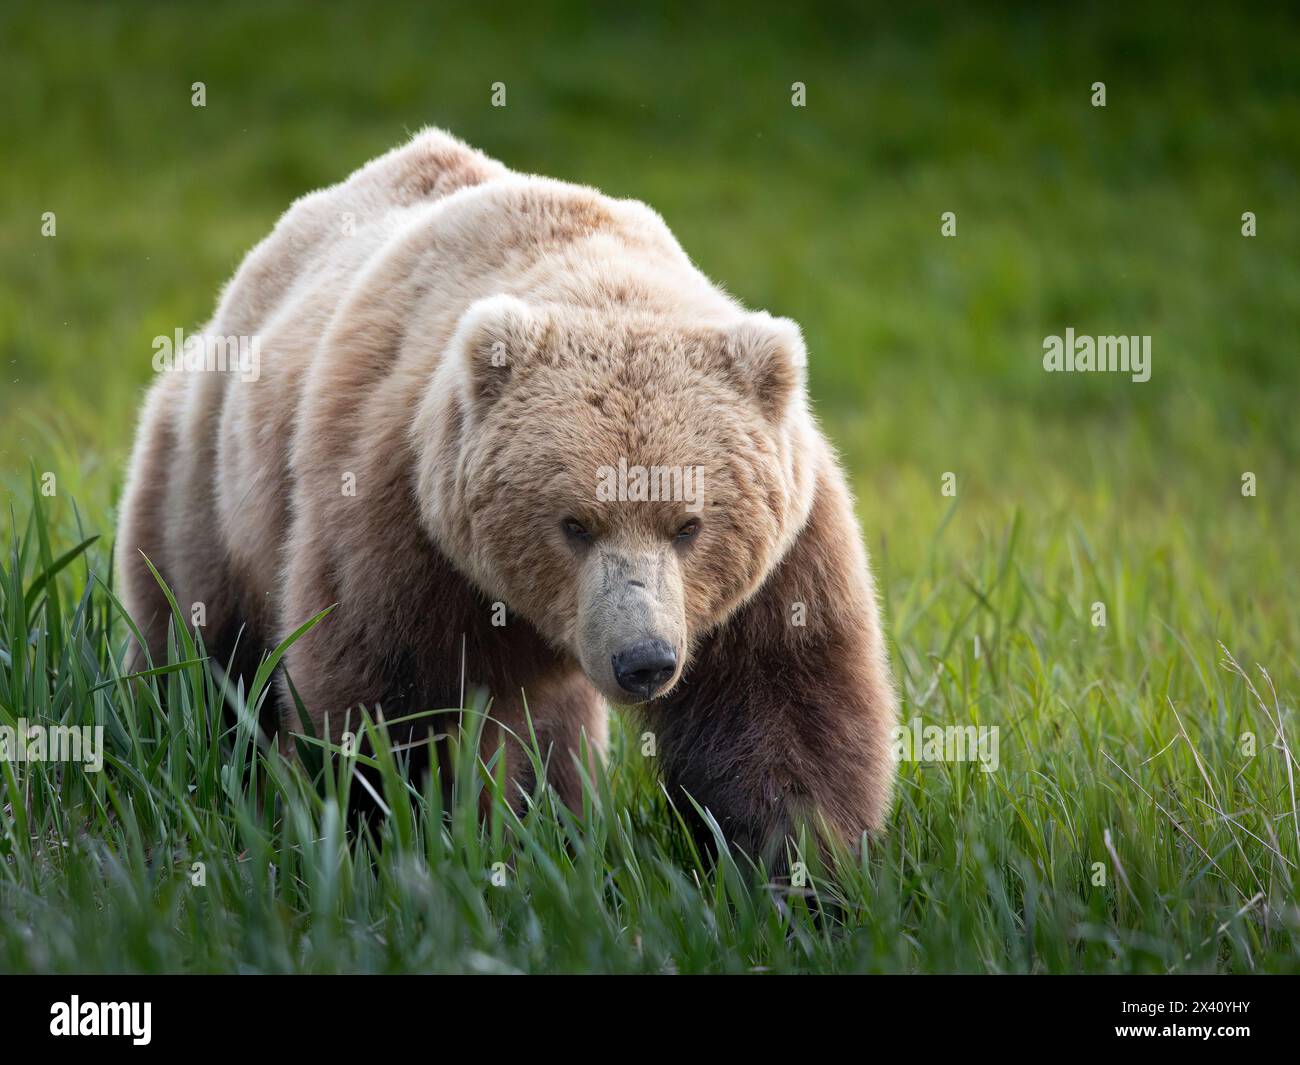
925 351
925 358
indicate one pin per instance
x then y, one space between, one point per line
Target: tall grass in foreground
1126 828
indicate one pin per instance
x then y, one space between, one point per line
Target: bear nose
642 668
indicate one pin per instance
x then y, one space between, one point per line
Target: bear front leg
785 715
366 654
570 722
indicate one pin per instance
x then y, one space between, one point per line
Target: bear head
622 480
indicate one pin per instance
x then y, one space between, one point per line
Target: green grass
1121 746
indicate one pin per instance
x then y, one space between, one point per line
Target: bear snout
644 667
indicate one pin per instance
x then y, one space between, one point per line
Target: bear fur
452 357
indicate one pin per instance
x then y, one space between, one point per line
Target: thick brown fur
450 354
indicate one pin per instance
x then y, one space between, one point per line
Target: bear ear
769 356
494 334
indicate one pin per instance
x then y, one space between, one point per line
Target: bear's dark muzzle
642 668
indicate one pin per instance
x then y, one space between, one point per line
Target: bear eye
688 531
575 530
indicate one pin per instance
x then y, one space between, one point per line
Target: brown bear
504 426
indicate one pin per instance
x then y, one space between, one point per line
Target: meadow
1104 570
